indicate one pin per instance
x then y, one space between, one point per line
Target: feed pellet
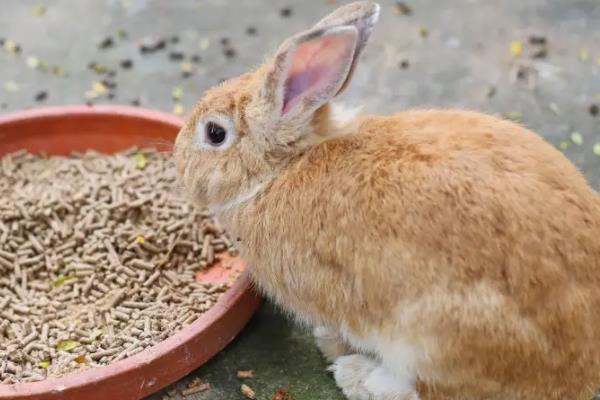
98 256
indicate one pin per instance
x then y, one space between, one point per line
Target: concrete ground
455 53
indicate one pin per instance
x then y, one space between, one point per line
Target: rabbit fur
439 254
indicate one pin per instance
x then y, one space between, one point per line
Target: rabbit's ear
311 68
363 15
316 68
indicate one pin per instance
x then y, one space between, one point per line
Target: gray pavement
473 54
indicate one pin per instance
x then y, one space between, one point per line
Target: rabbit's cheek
215 177
187 178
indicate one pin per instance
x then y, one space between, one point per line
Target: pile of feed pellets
98 260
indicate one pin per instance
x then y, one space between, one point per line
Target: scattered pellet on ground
195 386
95 252
245 374
247 391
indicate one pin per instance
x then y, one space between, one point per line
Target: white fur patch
323 332
399 357
366 345
381 382
240 198
362 378
350 373
343 114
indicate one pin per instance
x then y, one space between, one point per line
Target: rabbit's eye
215 134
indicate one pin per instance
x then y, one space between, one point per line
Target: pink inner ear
318 67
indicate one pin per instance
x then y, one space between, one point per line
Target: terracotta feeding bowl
109 129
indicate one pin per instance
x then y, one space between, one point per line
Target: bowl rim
241 293
107 110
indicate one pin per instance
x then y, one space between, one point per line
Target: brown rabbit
440 254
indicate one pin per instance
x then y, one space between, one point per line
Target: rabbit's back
447 180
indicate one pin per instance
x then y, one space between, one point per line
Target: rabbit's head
242 132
